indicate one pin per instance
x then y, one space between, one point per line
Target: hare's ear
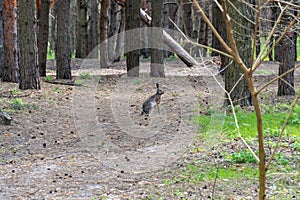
157 85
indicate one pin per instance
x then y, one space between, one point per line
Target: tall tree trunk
43 34
195 34
29 76
63 53
1 40
121 36
157 55
11 65
170 11
72 26
112 31
104 22
275 14
286 61
219 24
145 35
187 17
132 8
187 22
81 29
296 45
93 37
234 83
52 37
145 39
296 33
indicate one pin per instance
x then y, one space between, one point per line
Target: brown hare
152 101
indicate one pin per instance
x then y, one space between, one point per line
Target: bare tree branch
215 32
278 77
282 130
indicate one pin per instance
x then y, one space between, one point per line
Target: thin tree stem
262 168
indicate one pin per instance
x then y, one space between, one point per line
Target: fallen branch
72 83
171 43
179 50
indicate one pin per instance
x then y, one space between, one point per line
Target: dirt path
51 152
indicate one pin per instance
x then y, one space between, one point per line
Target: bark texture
52 37
235 83
63 52
29 76
157 54
121 37
187 17
11 64
286 60
112 31
81 29
43 34
132 9
219 24
1 40
93 32
104 22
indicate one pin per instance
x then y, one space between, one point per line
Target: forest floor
90 142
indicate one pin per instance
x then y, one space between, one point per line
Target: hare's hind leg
158 108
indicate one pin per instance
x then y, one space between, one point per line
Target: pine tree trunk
72 27
219 24
93 36
121 36
157 55
112 31
187 22
81 29
145 37
195 34
170 10
104 22
43 34
11 65
63 53
296 45
286 60
29 76
52 37
239 94
132 8
145 34
187 17
1 40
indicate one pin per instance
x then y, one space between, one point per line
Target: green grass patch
137 82
244 156
15 92
79 82
273 119
50 54
85 75
49 78
17 104
193 173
